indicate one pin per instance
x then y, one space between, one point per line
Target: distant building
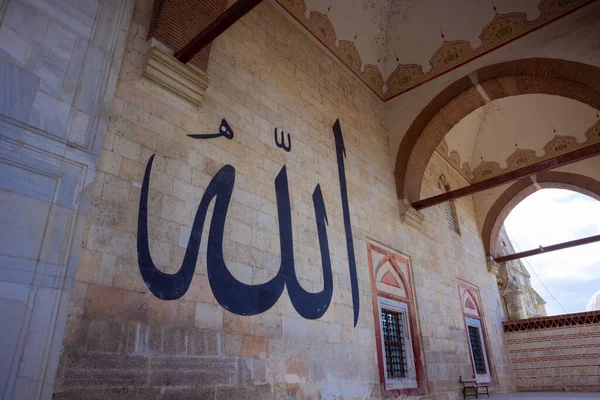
594 303
514 282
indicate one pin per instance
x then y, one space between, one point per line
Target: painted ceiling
517 131
396 45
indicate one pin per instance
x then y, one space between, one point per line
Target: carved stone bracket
180 79
492 266
410 215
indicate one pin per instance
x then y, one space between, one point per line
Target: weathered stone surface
258 392
78 359
105 336
113 394
203 343
192 371
188 394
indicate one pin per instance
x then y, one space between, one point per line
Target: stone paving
544 396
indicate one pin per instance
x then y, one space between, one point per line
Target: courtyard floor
544 396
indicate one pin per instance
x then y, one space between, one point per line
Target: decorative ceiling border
453 158
321 28
503 29
520 157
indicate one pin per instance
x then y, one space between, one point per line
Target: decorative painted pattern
523 157
453 158
520 157
503 29
556 321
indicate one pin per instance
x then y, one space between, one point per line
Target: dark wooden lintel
554 247
511 176
218 26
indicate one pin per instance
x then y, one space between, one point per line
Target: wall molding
178 78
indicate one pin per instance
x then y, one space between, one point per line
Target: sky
551 216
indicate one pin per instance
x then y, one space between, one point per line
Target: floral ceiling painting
393 46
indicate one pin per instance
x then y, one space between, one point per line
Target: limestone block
115 190
175 371
111 241
107 268
110 163
209 316
176 77
126 148
255 346
127 276
179 170
257 392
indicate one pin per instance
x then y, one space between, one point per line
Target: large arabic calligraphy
233 295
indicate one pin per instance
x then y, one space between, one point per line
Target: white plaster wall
59 61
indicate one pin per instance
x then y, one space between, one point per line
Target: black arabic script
233 295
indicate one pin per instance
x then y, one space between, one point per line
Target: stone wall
558 353
59 62
265 73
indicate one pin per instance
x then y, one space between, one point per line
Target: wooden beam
218 26
510 176
554 247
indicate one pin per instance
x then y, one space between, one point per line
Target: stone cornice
180 79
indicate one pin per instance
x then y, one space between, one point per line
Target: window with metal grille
449 206
394 339
449 215
477 350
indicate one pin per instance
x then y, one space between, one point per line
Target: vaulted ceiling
517 131
396 45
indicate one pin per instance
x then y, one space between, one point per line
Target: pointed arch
568 79
520 190
470 303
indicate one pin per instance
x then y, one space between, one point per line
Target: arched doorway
518 191
553 214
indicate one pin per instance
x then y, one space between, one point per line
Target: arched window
396 323
449 206
475 330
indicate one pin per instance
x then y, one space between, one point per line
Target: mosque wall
123 341
558 353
